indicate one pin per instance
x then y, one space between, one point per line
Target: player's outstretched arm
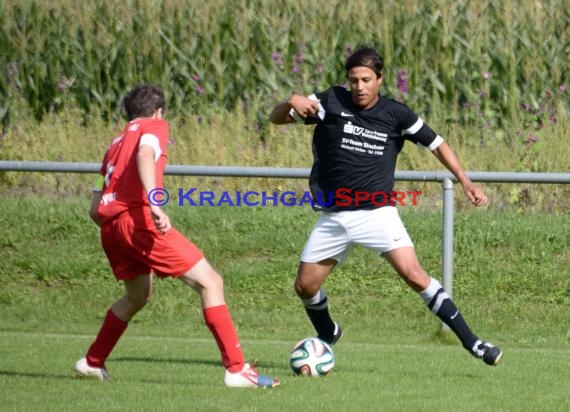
448 158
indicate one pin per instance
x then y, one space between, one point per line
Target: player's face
364 86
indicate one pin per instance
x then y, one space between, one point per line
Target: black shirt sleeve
413 127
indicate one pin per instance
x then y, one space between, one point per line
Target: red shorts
135 247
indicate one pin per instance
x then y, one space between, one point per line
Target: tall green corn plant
225 54
7 78
32 70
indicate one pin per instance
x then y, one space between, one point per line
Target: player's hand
475 195
304 106
160 219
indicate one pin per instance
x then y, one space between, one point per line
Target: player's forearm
93 214
448 158
280 113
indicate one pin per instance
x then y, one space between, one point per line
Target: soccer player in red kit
139 241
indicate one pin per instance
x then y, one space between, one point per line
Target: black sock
441 304
319 315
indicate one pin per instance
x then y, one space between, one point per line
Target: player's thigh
172 254
380 230
328 240
116 241
405 261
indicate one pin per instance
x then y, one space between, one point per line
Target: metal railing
445 178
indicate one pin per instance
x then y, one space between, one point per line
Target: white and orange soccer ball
311 357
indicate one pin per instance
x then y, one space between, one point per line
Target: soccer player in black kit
357 137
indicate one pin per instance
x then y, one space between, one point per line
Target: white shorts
380 230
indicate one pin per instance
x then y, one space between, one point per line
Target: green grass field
166 373
511 282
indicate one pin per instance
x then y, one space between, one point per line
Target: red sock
108 336
220 323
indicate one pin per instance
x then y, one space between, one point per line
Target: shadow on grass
166 360
36 375
187 361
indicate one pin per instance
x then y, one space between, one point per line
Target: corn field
494 57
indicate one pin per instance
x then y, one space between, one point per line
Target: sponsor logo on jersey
108 198
349 128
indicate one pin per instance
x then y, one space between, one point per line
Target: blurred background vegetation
490 76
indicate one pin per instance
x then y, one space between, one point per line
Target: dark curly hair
143 100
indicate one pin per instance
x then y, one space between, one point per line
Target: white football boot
249 378
83 370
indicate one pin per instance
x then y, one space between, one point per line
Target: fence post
447 239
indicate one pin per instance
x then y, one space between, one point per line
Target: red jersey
123 188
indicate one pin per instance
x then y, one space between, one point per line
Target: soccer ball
311 357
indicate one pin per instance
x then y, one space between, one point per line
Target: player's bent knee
216 281
211 280
305 289
417 278
139 301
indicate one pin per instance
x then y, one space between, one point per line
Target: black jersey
355 150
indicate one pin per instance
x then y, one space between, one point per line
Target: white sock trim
319 297
440 298
428 293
